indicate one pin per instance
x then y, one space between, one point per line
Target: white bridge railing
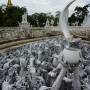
9 28
79 28
18 28
16 32
56 28
77 31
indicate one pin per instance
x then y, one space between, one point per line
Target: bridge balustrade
16 32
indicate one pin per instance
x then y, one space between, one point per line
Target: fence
8 33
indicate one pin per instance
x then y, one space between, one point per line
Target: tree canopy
11 16
79 14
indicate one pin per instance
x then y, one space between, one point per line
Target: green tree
79 15
34 19
42 19
39 19
11 16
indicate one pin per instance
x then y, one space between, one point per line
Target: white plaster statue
24 18
24 24
52 24
47 25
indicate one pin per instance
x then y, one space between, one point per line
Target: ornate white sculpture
6 86
31 66
47 25
24 24
52 24
24 18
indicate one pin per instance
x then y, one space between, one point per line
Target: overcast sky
46 5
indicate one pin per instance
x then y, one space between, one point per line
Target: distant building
86 22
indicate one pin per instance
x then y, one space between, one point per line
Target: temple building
9 3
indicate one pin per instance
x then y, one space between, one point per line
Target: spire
9 4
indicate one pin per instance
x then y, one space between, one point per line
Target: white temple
86 22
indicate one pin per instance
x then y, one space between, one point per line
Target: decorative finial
9 4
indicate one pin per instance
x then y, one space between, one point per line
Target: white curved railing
54 28
14 32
